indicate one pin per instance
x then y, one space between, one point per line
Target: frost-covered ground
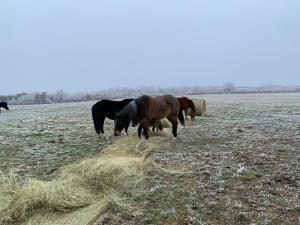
245 164
243 159
35 140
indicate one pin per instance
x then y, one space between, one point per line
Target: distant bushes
61 96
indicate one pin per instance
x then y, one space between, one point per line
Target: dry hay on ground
80 190
200 105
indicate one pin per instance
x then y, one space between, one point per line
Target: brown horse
185 104
147 111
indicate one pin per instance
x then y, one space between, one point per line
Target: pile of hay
80 191
200 105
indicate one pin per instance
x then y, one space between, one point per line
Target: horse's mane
142 103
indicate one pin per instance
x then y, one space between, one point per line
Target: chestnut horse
185 104
147 111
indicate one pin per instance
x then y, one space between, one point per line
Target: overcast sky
47 45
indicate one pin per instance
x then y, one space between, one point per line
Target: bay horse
185 104
147 111
107 108
3 105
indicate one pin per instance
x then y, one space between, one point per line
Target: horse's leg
174 128
140 131
101 121
173 120
126 129
145 133
160 126
145 125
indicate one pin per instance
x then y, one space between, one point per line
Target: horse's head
134 122
193 114
193 109
124 117
119 125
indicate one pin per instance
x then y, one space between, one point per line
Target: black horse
109 109
3 105
147 112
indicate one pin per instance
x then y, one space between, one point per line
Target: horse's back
172 101
109 108
158 107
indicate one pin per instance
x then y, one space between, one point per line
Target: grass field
240 163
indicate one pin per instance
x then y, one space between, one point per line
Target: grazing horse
147 111
3 105
185 104
109 109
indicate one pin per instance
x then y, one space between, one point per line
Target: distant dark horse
185 104
3 105
109 109
147 111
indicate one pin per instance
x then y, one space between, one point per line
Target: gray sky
47 45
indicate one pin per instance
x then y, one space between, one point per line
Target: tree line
61 96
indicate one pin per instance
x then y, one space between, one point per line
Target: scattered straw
92 184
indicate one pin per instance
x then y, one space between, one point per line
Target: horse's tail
96 119
181 117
